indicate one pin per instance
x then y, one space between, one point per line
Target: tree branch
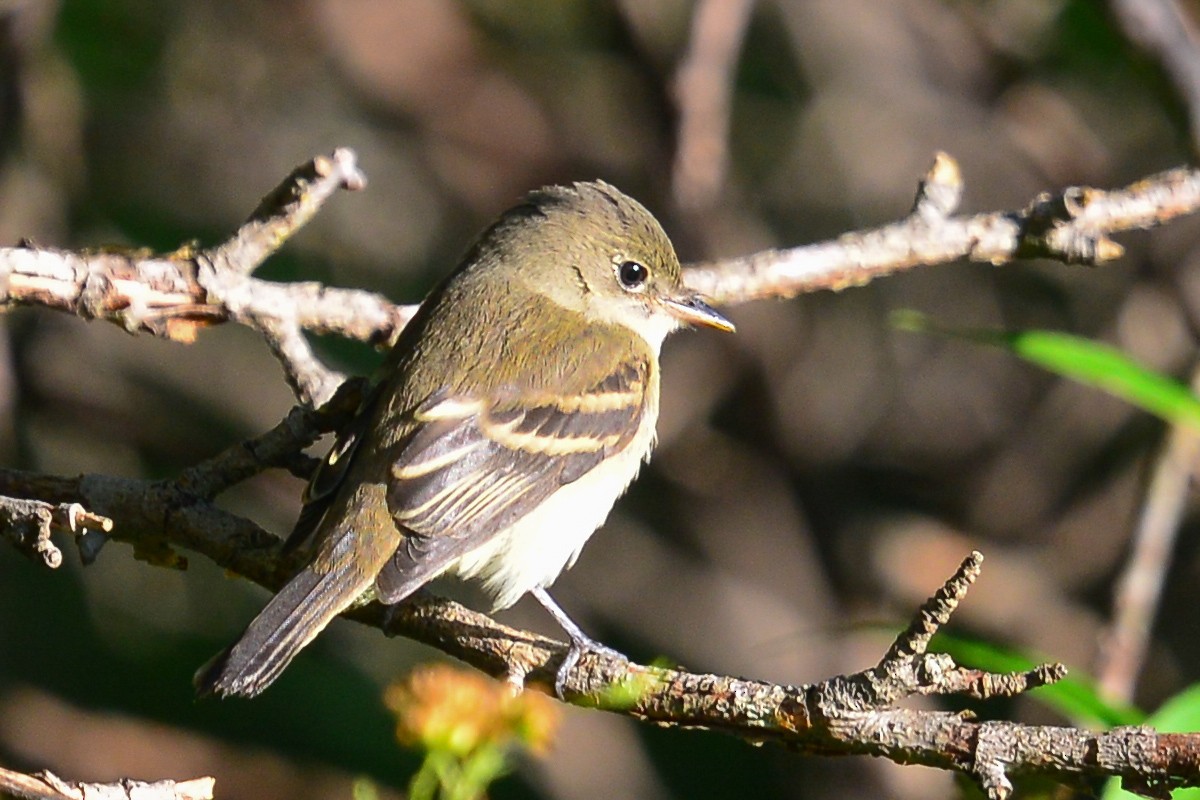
177 294
45 785
703 92
845 715
27 524
1072 226
1166 31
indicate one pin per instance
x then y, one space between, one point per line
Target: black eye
632 275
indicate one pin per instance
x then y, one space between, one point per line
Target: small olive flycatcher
514 409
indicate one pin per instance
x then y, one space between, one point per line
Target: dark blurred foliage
817 473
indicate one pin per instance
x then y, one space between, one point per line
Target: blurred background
818 474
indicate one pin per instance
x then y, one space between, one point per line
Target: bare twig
1139 587
161 296
851 714
177 294
29 523
1167 32
1072 226
704 94
141 293
46 785
286 209
224 270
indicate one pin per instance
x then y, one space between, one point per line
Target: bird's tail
291 620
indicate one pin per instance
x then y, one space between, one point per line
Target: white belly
546 541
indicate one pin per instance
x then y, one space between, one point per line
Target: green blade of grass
1082 360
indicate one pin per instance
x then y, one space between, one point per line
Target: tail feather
291 620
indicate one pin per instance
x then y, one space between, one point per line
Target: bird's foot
579 646
580 642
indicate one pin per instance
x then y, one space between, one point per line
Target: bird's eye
632 275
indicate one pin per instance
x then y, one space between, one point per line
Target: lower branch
851 714
46 785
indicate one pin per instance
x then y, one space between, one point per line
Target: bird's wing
473 466
331 472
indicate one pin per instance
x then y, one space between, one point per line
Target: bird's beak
691 310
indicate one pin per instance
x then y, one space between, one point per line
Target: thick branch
46 785
161 296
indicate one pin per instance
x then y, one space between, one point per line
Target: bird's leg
580 642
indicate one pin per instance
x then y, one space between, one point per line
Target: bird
513 410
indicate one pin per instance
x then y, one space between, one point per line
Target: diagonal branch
1166 30
285 210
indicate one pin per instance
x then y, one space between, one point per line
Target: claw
571 660
580 642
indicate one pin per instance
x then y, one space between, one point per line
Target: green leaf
1082 360
1074 697
1180 714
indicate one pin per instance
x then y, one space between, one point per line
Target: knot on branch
1054 227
